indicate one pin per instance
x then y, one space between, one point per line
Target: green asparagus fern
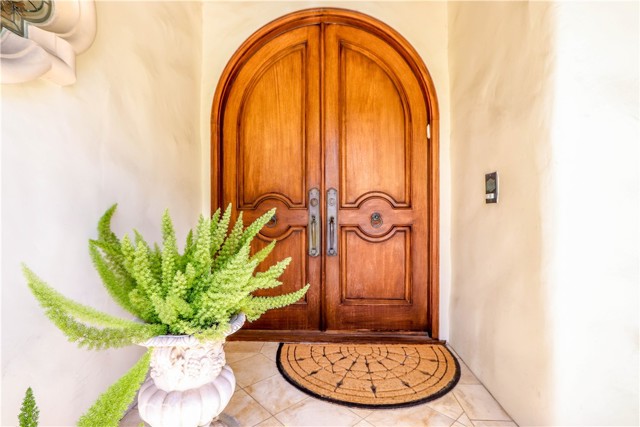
111 405
29 412
194 293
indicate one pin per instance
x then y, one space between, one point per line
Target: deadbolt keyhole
376 220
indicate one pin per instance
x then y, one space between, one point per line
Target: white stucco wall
501 84
595 234
226 25
126 132
545 283
544 289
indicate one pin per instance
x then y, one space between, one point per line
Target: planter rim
235 324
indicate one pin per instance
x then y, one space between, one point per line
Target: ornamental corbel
41 39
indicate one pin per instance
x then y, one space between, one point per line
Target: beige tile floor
263 398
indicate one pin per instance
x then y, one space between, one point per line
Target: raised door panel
270 155
273 108
376 156
390 281
374 131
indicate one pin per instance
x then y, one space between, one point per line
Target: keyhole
376 220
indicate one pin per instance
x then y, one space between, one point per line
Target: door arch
331 46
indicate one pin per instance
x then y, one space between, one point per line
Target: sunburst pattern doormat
370 375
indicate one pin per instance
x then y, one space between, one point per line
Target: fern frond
139 239
50 298
254 307
142 303
236 272
111 405
220 231
170 256
201 255
182 307
68 316
220 300
255 227
268 279
275 270
117 283
263 253
189 247
142 270
104 227
97 339
183 282
215 223
110 245
231 244
155 260
128 254
113 257
166 313
29 411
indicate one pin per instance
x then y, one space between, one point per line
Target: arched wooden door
325 114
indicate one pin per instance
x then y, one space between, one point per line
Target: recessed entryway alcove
331 116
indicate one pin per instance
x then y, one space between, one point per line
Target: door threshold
351 337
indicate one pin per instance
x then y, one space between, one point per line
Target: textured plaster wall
500 58
544 303
126 132
226 25
595 234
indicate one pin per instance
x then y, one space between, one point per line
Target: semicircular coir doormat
370 375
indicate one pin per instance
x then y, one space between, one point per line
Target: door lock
332 222
314 222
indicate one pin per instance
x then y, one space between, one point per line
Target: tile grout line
284 409
258 403
483 386
289 407
365 418
359 416
494 399
319 400
264 379
464 412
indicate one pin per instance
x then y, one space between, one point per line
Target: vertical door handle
332 219
332 243
314 218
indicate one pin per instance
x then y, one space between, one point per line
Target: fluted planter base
190 383
192 407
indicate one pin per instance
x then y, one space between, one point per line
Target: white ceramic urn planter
190 383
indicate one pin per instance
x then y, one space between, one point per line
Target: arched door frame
393 38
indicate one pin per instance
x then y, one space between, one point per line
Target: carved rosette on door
323 115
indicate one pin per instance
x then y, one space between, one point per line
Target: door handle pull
314 228
332 215
332 226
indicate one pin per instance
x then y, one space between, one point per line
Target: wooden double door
324 115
